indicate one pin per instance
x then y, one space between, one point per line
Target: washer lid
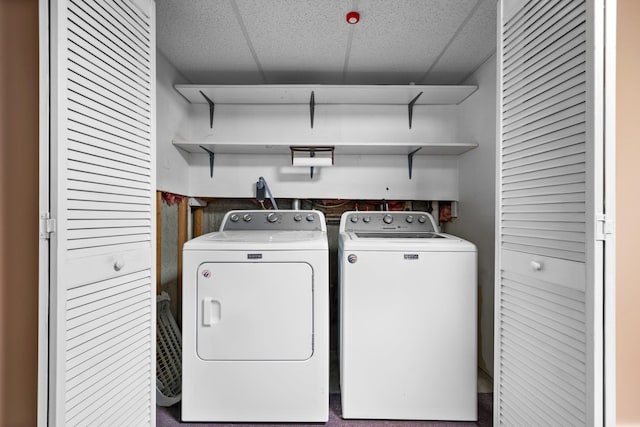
404 242
399 235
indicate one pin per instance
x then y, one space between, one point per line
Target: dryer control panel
280 220
391 221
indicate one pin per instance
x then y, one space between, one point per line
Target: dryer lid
260 240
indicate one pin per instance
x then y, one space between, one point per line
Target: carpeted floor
169 417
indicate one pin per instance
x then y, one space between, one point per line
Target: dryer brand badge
410 256
206 274
352 258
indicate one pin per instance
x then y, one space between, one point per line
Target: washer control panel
403 221
280 220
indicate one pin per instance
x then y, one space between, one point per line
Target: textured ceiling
308 41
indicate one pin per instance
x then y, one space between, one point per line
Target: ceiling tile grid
475 43
404 36
202 38
296 35
309 41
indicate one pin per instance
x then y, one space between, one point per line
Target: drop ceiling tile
404 37
203 39
306 41
473 45
297 40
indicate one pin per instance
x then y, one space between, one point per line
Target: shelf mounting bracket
312 107
212 157
410 159
212 106
413 101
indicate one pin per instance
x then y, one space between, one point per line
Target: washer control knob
234 218
354 218
272 217
311 217
422 219
409 219
388 219
247 217
367 219
297 217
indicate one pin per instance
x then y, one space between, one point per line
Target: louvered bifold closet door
544 298
102 339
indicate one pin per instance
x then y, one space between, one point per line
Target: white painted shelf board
327 94
341 148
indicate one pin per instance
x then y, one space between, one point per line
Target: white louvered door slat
102 185
547 365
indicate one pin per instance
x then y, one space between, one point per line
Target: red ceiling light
353 17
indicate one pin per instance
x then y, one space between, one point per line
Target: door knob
536 266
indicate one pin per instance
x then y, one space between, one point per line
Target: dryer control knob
272 217
388 219
367 219
234 218
354 218
247 217
311 217
409 219
297 217
422 219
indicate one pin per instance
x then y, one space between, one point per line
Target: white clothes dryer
408 312
256 320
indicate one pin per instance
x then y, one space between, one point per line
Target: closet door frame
43 209
52 174
600 207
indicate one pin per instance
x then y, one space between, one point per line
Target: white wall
476 220
172 122
332 123
352 176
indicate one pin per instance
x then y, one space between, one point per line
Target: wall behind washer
476 216
352 176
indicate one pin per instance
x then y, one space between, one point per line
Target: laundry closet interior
261 63
479 112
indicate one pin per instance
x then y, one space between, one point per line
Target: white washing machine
407 319
256 320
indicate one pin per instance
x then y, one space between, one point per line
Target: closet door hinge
47 225
604 227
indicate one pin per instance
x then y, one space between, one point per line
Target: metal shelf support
311 154
312 107
211 108
413 101
212 157
410 159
